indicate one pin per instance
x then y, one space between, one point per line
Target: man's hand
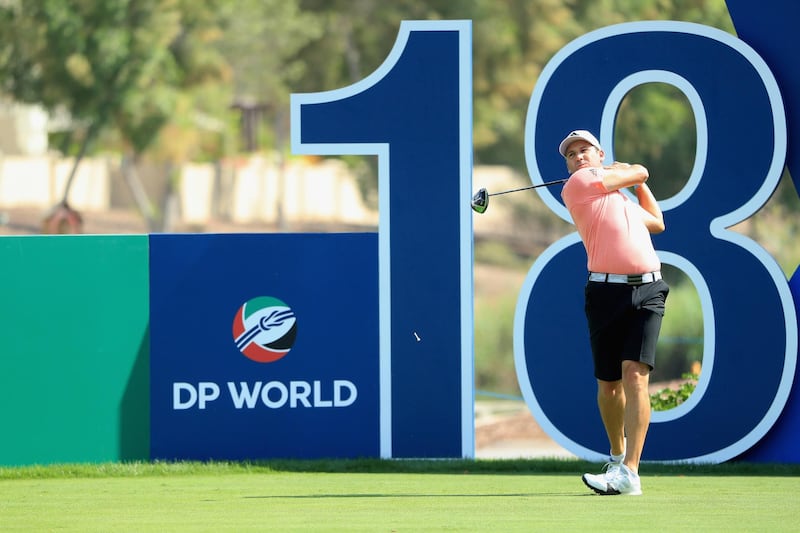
621 175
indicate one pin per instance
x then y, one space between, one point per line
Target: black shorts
624 323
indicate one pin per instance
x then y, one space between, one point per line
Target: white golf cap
578 135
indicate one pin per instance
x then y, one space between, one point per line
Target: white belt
629 279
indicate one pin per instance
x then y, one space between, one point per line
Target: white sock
619 458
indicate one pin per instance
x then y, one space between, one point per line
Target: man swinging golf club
625 298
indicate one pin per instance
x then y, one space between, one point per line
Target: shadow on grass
519 467
509 467
419 495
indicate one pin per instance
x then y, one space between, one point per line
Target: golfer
625 298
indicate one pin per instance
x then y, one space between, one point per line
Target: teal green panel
74 349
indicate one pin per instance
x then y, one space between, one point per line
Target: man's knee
635 374
636 367
609 389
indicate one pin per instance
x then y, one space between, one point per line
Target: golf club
480 201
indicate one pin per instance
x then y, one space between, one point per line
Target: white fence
244 191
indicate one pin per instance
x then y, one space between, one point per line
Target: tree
261 43
105 64
175 113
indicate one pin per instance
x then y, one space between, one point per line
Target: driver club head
480 201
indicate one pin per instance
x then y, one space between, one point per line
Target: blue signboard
264 346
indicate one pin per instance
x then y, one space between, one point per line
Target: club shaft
545 184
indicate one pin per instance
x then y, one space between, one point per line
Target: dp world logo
264 329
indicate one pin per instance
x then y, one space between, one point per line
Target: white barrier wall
39 181
248 190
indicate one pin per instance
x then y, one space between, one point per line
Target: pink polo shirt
610 225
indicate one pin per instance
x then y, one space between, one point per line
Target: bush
667 398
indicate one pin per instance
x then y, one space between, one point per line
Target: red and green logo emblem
264 329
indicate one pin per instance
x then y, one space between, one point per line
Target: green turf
391 496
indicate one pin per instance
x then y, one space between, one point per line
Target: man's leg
611 402
635 381
612 398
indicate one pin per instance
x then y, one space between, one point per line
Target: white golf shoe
617 479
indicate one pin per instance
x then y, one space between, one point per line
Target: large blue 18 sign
419 133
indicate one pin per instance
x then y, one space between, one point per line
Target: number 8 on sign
750 322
